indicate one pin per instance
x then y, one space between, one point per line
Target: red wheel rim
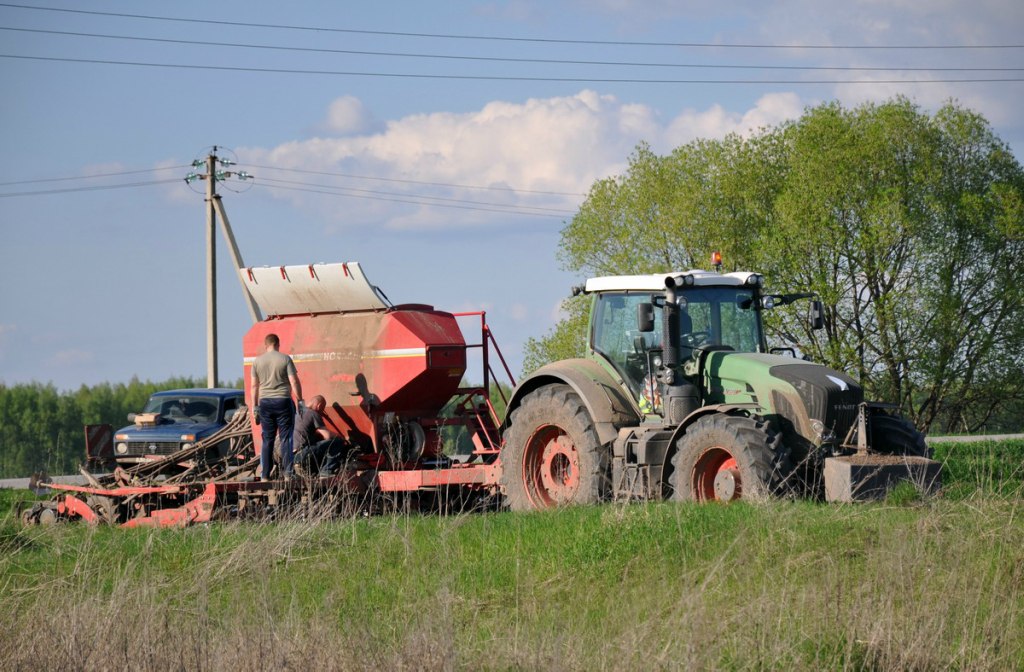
716 476
551 467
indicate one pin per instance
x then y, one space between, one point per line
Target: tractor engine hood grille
828 396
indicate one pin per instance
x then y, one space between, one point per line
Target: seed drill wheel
48 515
552 456
723 458
104 507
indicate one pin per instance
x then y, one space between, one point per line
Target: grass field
910 583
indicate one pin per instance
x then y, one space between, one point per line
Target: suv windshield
183 409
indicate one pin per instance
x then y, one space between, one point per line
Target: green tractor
679 397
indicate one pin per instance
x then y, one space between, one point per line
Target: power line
90 177
500 59
91 188
501 38
592 80
332 190
423 198
498 208
510 190
419 182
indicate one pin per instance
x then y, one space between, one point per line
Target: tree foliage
41 428
909 226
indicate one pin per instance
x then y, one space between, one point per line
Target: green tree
566 340
41 428
907 225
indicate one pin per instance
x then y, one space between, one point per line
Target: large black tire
893 435
551 455
725 457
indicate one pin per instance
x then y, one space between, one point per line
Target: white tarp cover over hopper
312 288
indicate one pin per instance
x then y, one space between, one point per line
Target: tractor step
860 478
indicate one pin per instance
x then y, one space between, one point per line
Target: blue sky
451 159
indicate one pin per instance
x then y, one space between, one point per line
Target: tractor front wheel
551 454
724 458
893 435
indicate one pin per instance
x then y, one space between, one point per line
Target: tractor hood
811 403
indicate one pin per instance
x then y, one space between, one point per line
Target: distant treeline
41 427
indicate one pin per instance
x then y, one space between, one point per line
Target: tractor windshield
720 316
707 316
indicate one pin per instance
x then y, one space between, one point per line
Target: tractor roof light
755 280
674 281
716 261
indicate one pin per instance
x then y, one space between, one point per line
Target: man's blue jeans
277 418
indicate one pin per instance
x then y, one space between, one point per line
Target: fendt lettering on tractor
679 397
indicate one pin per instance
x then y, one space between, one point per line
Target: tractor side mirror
645 317
816 315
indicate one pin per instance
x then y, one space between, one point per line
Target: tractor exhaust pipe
679 396
670 325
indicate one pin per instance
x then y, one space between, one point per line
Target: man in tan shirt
274 381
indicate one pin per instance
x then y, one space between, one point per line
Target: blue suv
174 420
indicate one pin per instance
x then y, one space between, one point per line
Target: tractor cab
644 327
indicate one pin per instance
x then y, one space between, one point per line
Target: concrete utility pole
215 207
211 271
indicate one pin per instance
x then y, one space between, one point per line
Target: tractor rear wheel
893 435
551 454
724 458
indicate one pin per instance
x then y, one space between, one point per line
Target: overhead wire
417 182
441 199
496 208
449 202
96 187
91 177
505 38
327 189
518 60
512 78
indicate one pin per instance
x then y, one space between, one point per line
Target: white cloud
346 115
518 311
881 23
717 122
560 144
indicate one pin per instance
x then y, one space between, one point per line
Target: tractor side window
740 327
615 335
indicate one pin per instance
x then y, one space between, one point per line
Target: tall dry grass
917 584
